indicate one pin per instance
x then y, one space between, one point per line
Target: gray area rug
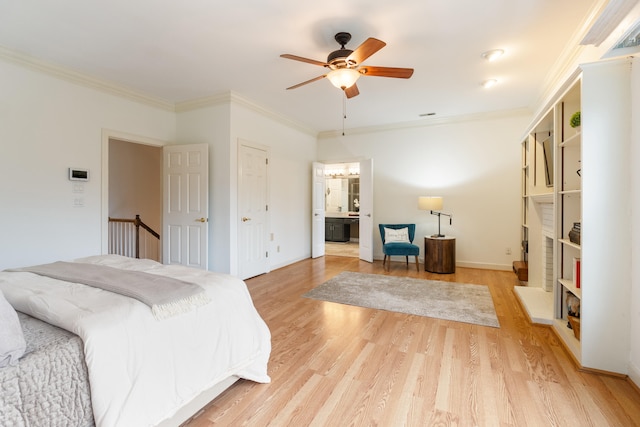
430 298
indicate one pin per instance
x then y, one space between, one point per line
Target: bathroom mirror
342 194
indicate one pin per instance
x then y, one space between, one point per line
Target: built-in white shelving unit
557 195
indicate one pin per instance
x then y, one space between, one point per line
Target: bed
142 369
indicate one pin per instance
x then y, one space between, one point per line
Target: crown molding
608 20
428 122
231 97
113 89
567 66
82 79
207 101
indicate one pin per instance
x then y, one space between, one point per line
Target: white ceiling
188 49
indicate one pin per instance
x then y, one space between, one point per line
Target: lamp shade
430 203
343 78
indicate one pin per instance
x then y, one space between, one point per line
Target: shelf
578 191
572 343
542 197
537 303
572 141
569 243
568 284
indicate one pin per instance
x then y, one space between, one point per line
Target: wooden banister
137 222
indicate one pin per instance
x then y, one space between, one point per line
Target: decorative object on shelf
576 272
574 233
521 268
433 204
573 305
575 120
573 314
574 323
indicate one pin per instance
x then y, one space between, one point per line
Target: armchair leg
384 267
417 264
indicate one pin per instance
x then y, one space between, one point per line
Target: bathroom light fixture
492 55
489 83
343 78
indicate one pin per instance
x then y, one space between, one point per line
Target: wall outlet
278 248
508 251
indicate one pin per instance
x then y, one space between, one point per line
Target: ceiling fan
346 65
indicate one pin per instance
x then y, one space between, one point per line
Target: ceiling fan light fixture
492 55
343 78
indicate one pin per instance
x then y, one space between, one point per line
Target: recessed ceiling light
489 83
492 55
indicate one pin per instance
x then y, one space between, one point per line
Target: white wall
634 358
222 125
473 164
211 125
46 126
291 153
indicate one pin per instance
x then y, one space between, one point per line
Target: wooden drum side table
440 254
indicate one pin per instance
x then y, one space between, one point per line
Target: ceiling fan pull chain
344 109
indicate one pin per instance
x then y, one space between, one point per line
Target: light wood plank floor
351 249
338 365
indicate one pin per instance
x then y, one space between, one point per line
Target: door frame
267 221
108 134
369 255
318 215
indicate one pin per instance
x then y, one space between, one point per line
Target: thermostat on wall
77 174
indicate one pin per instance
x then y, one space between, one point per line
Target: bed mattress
50 383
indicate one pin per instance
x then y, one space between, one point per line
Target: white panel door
318 210
366 210
186 204
252 211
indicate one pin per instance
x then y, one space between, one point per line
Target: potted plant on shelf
574 122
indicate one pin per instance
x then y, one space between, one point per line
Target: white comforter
142 370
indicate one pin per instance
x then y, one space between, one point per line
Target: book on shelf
576 272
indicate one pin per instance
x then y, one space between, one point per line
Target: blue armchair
397 240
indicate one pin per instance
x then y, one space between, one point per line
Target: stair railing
125 238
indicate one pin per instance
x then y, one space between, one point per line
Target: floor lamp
433 204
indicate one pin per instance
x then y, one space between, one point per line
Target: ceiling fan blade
400 73
365 50
308 81
352 91
307 60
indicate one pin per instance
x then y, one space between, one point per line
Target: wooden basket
575 325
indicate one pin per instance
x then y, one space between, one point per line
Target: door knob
245 219
201 219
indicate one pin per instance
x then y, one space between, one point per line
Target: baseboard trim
579 366
634 377
484 266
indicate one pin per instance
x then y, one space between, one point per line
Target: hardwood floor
351 249
338 365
